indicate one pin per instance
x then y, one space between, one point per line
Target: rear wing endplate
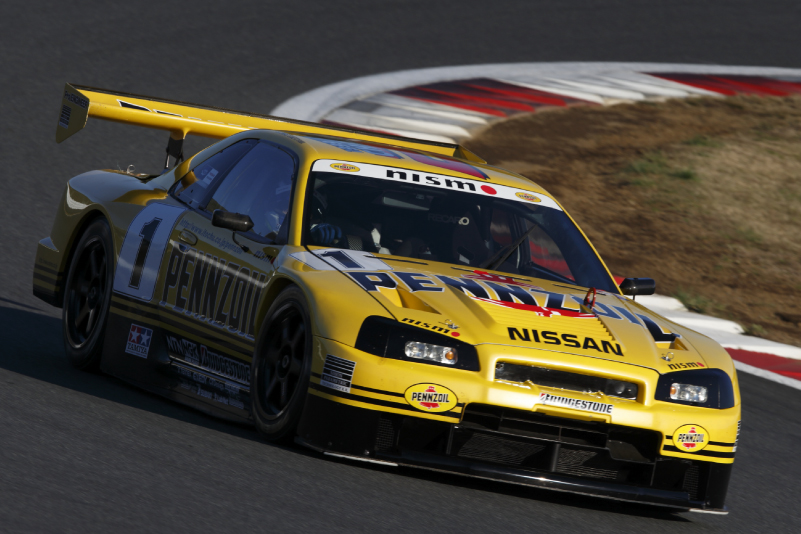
182 119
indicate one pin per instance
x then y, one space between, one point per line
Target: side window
544 252
259 186
194 187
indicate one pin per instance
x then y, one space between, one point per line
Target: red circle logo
455 334
489 190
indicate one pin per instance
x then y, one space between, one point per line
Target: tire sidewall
283 427
87 355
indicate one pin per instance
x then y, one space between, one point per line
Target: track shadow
31 345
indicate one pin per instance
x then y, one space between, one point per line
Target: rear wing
181 119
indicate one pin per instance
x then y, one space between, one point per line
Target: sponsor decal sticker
201 356
64 119
139 339
428 179
431 397
576 404
549 337
429 326
337 373
690 438
527 196
345 167
77 100
688 365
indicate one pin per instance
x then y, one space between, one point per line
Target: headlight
391 339
688 393
435 353
708 388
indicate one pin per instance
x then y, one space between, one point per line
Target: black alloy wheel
281 366
87 295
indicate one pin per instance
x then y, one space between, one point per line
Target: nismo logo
222 293
448 183
689 365
432 327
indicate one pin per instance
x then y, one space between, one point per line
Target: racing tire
87 295
281 368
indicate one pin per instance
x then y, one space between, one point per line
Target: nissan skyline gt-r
385 299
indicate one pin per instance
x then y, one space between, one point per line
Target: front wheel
87 295
281 366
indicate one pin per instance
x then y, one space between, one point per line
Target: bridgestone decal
576 404
337 373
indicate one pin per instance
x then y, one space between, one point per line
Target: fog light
688 393
426 351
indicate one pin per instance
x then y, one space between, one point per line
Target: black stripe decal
404 261
199 333
377 402
197 325
213 330
711 454
381 391
46 278
48 270
716 443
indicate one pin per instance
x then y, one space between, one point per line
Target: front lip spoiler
678 500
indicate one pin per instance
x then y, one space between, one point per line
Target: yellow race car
383 299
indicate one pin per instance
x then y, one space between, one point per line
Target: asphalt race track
87 453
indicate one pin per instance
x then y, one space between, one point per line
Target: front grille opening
535 441
424 435
580 463
553 378
499 450
691 479
385 435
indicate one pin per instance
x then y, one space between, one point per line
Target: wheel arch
87 218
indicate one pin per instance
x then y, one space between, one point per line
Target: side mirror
231 221
638 286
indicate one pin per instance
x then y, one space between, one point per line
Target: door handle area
187 237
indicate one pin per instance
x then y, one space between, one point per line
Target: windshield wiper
505 252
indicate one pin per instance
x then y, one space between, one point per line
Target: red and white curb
448 104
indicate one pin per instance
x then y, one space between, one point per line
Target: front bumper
359 405
530 449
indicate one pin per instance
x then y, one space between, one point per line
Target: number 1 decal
351 260
143 249
148 230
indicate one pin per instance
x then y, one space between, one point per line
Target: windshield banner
438 181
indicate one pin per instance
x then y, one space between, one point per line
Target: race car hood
482 307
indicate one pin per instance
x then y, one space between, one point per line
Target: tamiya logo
139 341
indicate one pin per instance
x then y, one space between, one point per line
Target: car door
214 279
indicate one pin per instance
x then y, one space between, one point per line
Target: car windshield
452 220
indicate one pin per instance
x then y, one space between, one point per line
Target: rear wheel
281 367
87 295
